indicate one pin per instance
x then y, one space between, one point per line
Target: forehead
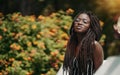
83 16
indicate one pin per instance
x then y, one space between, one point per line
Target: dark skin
98 55
81 26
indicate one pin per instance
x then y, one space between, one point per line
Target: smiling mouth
78 27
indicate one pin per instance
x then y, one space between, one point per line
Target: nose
80 22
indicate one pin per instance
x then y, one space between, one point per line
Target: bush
33 46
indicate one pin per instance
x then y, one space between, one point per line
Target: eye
85 21
77 20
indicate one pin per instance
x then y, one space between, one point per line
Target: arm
98 55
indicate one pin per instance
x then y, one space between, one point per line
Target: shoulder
98 47
98 55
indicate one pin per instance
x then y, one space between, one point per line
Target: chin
78 31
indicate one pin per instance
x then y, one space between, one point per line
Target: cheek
74 24
85 28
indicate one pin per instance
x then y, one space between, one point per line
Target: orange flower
15 46
29 44
66 27
35 42
41 17
65 36
11 59
0 37
53 30
28 73
61 57
25 58
34 26
24 26
57 21
41 45
15 16
18 35
53 15
38 36
13 34
56 66
32 52
65 43
29 58
31 18
41 33
54 53
52 34
20 62
13 65
4 29
101 23
70 11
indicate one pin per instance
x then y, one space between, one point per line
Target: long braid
86 52
82 63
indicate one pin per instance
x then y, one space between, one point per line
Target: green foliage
114 48
33 46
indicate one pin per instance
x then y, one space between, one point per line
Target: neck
80 36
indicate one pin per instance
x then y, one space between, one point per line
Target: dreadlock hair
82 63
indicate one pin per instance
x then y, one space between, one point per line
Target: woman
84 54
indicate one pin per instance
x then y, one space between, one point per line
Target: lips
78 27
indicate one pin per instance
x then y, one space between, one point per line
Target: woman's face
82 23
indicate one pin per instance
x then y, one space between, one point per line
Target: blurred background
34 33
